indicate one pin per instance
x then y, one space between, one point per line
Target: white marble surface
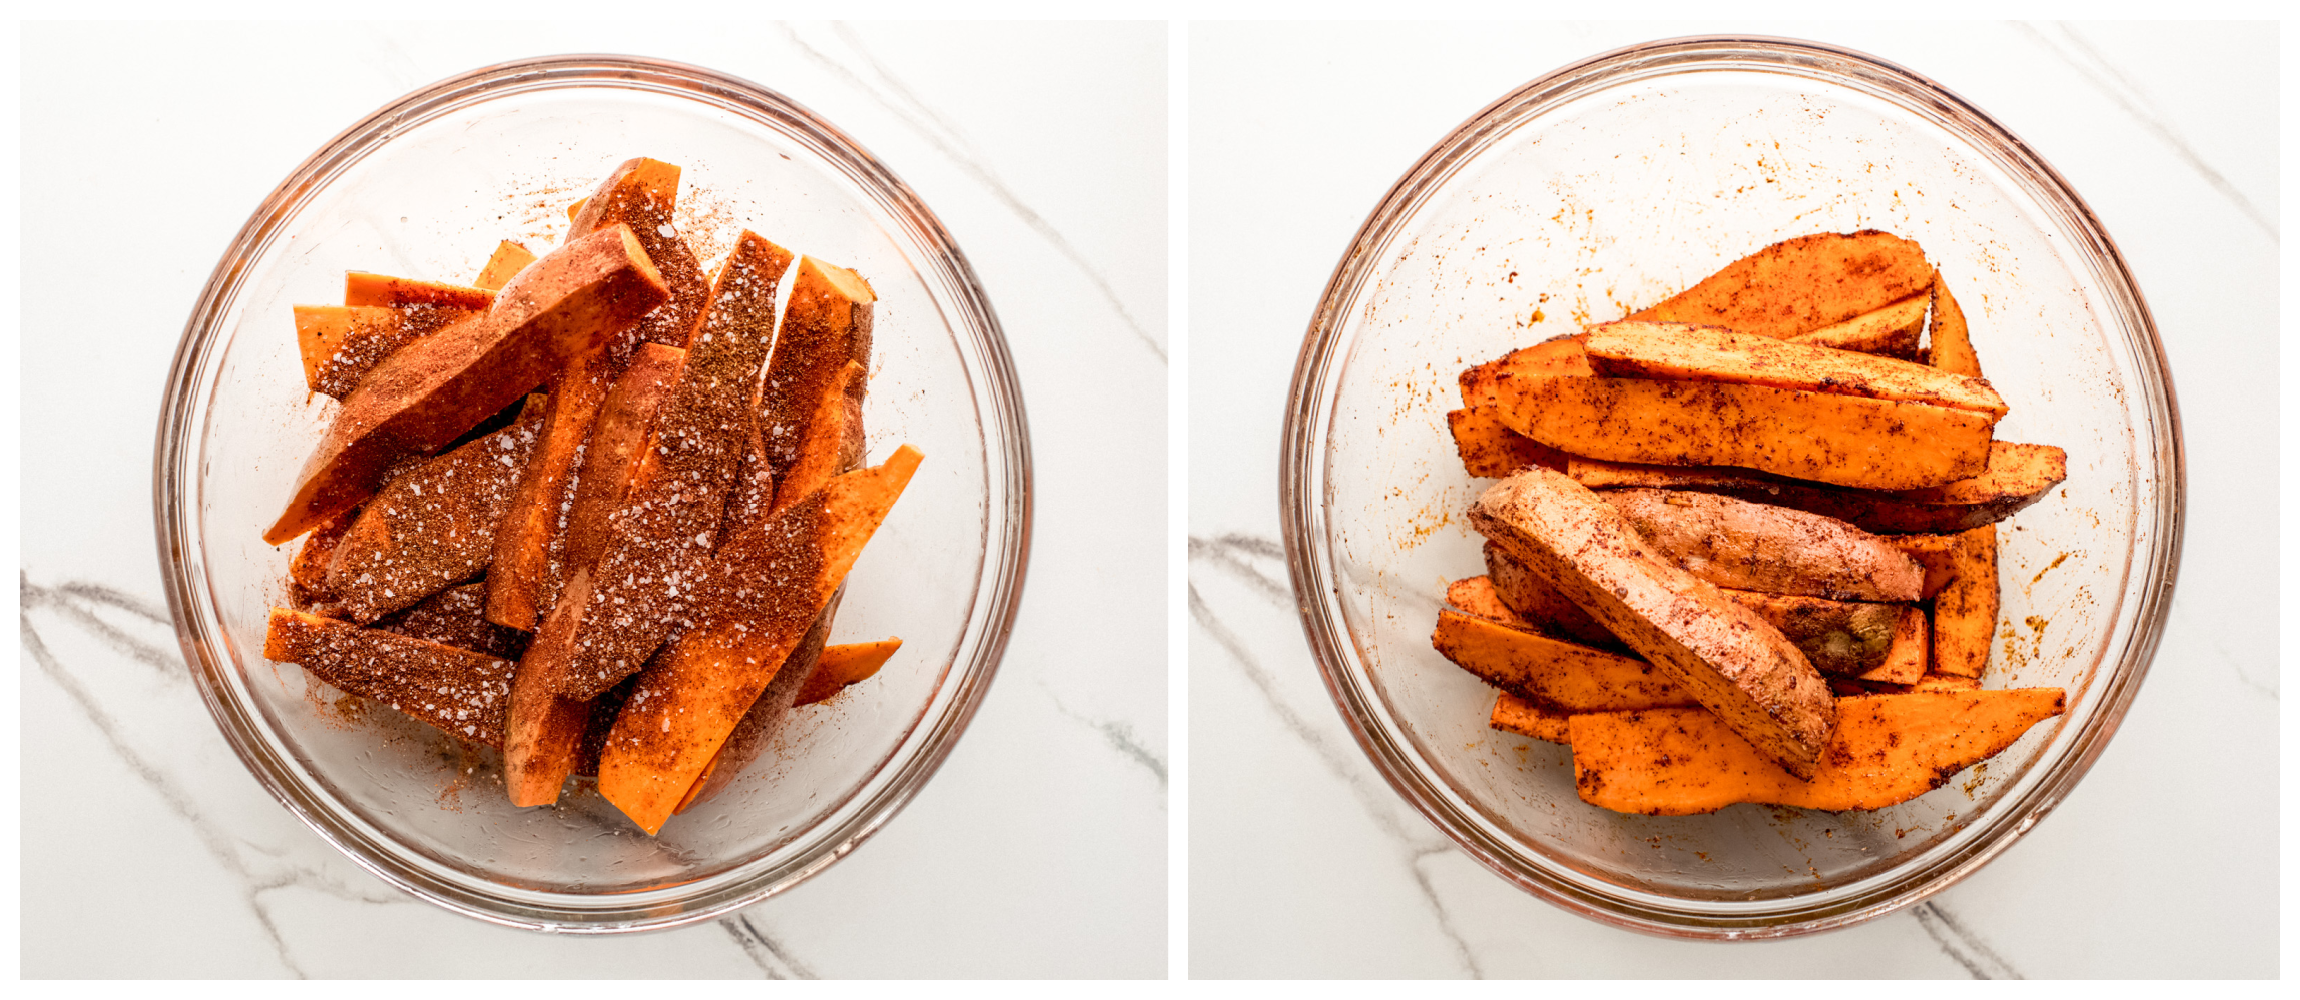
1039 849
2163 862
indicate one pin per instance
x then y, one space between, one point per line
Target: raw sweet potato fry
509 259
1887 749
1679 352
1540 604
1952 349
1801 285
1512 714
341 344
811 402
767 716
432 527
1490 449
361 288
643 194
1965 611
1892 331
764 594
841 667
1751 546
2017 476
1552 672
1477 596
307 571
461 692
1843 638
427 394
1844 440
1556 356
526 573
659 541
618 438
457 617
1722 655
543 733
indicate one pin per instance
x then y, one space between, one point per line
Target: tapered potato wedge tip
811 407
1952 349
543 731
644 195
2017 475
1892 331
1490 449
1710 354
1512 714
462 693
1887 749
1477 596
1480 384
1775 550
1801 285
1843 440
361 288
1552 672
508 260
1732 663
844 666
341 344
765 593
427 394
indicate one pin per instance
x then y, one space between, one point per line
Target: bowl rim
1006 528
1302 479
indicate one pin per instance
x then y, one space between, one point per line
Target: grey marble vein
1121 738
764 951
1224 553
2103 75
946 138
1961 944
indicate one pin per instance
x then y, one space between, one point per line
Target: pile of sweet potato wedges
1744 545
593 510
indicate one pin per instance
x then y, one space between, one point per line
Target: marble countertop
1039 848
1304 862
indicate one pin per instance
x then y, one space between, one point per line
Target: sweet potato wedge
1801 285
811 405
460 692
1555 356
1512 714
1892 331
1844 440
2017 475
611 455
764 594
1952 340
1679 352
341 344
1552 672
1842 638
1965 611
526 572
643 194
1728 660
1477 596
362 288
1540 604
433 526
767 716
1751 546
543 732
1887 749
307 570
457 617
660 540
509 259
427 394
1490 449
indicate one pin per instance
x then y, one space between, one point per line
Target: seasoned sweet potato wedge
1552 672
1541 605
1752 546
341 344
1512 714
643 194
431 528
764 594
1801 285
1732 663
508 260
843 666
1965 611
361 288
611 455
543 732
1892 331
307 570
1477 596
811 406
526 572
660 540
462 693
1555 356
767 717
1844 638
1952 349
1845 440
427 394
2017 475
1887 749
457 617
1490 449
1710 354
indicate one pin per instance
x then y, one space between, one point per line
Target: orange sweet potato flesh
431 528
361 288
1887 749
461 692
1540 604
2017 475
1552 672
1512 714
1712 354
1476 596
1775 550
659 541
1843 440
509 259
527 571
765 593
644 194
1490 449
841 667
767 716
307 571
811 404
341 344
1555 356
1720 653
1801 285
1952 349
427 394
1965 611
1892 331
544 731
618 439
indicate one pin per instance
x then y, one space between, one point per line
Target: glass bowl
425 188
1607 186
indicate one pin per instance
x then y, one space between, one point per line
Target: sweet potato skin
1722 655
1748 546
1802 284
1843 440
2017 475
1541 605
1887 749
